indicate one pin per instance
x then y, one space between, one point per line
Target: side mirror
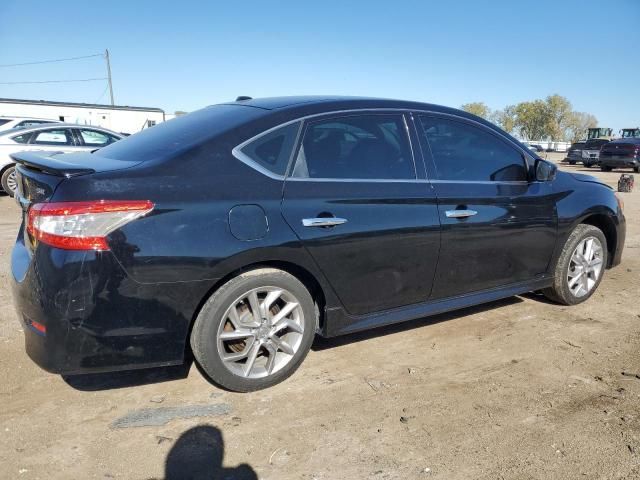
545 171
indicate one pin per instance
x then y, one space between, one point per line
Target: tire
218 331
636 169
8 179
604 168
571 162
561 291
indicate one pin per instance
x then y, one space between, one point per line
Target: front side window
53 137
371 146
463 152
272 151
93 138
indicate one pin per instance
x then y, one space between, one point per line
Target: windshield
598 132
168 138
631 133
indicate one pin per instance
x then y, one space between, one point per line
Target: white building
122 119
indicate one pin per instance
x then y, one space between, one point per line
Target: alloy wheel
12 181
260 332
585 266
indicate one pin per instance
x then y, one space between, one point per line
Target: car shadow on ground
198 454
130 378
325 343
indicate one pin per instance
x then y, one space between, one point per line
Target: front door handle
323 221
460 213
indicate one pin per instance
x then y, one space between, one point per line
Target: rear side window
272 151
373 146
464 152
24 138
53 137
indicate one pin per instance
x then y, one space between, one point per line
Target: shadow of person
198 455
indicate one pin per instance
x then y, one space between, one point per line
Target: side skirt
338 322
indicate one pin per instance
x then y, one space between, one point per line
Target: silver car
58 137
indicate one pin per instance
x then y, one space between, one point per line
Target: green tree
532 120
505 118
577 124
477 108
559 115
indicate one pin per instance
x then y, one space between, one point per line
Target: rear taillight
82 225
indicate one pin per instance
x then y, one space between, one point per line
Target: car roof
55 125
331 102
29 118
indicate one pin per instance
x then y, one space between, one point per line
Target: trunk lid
38 174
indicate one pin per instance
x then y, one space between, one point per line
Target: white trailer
123 119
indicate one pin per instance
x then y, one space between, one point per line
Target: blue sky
185 55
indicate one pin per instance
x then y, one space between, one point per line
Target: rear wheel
580 267
636 169
255 330
604 168
8 180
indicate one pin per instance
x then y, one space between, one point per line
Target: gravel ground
520 388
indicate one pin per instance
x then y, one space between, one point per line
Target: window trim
239 155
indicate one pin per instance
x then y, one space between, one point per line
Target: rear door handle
323 221
460 213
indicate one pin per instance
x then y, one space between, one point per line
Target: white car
58 137
7 123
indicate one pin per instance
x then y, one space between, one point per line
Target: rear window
169 138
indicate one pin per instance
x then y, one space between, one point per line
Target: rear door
498 227
364 212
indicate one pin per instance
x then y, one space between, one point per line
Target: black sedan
242 230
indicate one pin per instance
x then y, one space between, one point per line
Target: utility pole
106 56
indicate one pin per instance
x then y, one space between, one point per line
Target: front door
498 227
368 220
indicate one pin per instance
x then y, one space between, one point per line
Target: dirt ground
517 389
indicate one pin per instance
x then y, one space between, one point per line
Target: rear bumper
96 318
619 162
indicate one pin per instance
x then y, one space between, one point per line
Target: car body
621 153
591 151
574 154
348 213
7 123
57 137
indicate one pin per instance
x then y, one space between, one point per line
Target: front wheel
580 267
8 181
255 330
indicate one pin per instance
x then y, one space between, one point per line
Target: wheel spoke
271 362
255 306
575 280
236 334
282 345
290 324
588 251
268 301
251 358
288 308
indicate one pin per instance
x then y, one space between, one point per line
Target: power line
51 61
102 94
56 81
